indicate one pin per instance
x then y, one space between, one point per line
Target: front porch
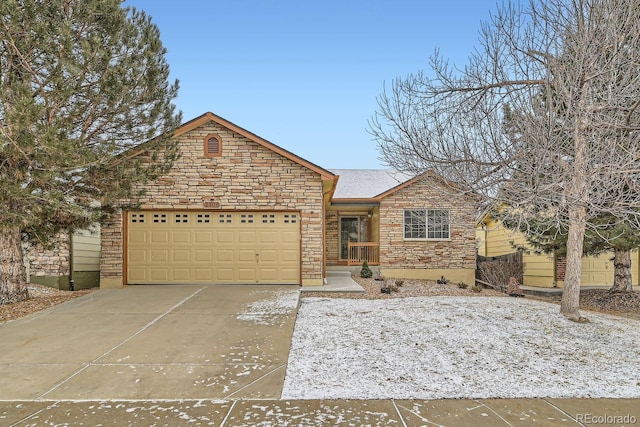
352 236
359 252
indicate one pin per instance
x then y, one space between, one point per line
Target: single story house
546 270
236 208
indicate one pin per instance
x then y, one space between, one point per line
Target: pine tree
81 81
608 234
366 272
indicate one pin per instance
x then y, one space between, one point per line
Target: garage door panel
247 275
181 255
597 270
138 236
289 274
289 256
228 247
267 237
138 275
137 255
290 237
159 236
181 237
203 274
203 236
204 255
224 236
224 275
224 255
159 255
159 274
269 274
246 255
247 237
180 274
267 255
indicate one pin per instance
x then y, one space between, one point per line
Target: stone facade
455 257
52 261
246 176
112 251
332 240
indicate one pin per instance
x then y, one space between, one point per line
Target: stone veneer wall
247 176
50 261
332 237
397 253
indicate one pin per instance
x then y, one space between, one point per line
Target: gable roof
207 117
373 185
366 183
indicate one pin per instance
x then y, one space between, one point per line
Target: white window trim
426 238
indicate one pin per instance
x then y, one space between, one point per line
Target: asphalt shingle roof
366 183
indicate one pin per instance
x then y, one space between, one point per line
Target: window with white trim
427 224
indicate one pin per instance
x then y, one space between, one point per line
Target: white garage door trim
205 247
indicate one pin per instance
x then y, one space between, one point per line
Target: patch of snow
272 309
458 347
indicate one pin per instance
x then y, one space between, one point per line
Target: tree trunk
577 196
570 304
622 271
13 274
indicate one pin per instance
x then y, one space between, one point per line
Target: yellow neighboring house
543 270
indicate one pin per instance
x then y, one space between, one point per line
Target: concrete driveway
152 342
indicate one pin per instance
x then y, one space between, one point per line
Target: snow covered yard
458 347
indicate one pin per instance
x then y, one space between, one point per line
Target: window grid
160 218
137 218
268 219
427 224
182 218
203 218
437 224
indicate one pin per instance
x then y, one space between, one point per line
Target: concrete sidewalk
484 412
336 281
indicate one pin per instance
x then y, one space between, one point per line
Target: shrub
497 273
442 281
462 285
366 272
476 288
399 283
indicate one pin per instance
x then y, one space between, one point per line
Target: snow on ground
272 308
458 347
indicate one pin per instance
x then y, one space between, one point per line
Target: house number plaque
211 204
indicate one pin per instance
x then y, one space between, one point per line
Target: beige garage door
597 270
213 247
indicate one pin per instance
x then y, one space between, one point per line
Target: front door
352 229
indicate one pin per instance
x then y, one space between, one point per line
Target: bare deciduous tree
543 119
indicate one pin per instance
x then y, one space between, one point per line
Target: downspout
555 270
71 281
485 228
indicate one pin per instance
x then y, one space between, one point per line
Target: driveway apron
152 342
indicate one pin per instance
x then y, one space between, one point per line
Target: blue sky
305 74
